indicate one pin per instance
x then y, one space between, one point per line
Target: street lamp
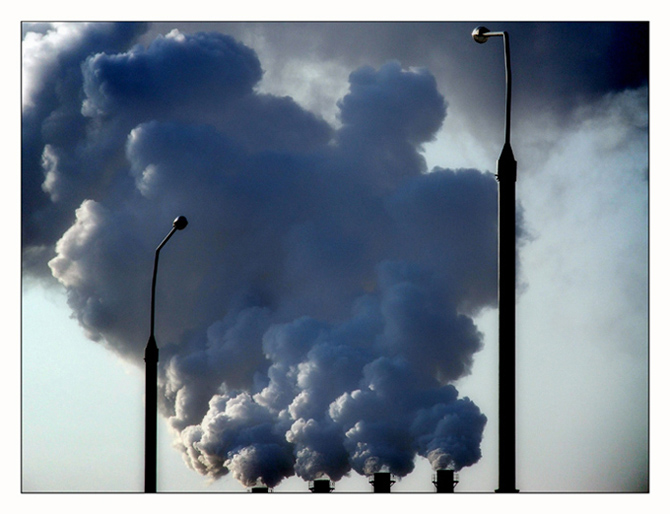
506 175
151 359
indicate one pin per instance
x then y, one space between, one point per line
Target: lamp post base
151 405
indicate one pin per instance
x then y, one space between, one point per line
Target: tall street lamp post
151 359
506 175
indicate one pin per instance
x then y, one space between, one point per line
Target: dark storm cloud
556 66
172 72
564 51
314 312
585 58
51 122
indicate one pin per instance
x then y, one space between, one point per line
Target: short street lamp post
151 385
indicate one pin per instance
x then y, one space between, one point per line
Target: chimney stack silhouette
445 480
382 482
321 485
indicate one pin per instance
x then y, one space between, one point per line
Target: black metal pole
507 320
151 377
151 406
151 388
506 175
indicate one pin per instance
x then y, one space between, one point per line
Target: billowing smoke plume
312 317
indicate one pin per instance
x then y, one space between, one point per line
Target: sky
331 307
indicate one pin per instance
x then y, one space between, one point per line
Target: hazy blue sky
321 259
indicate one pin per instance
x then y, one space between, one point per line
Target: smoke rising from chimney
320 308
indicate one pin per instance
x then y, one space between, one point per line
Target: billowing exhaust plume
315 315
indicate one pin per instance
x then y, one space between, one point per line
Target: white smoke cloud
314 313
321 266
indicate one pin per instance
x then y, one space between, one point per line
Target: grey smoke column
151 385
506 176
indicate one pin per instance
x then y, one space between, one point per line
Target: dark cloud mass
557 66
54 132
315 312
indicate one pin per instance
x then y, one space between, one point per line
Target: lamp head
180 223
480 34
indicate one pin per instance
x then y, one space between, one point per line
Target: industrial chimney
321 485
382 482
445 480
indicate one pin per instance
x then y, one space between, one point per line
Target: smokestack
382 482
445 480
321 485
